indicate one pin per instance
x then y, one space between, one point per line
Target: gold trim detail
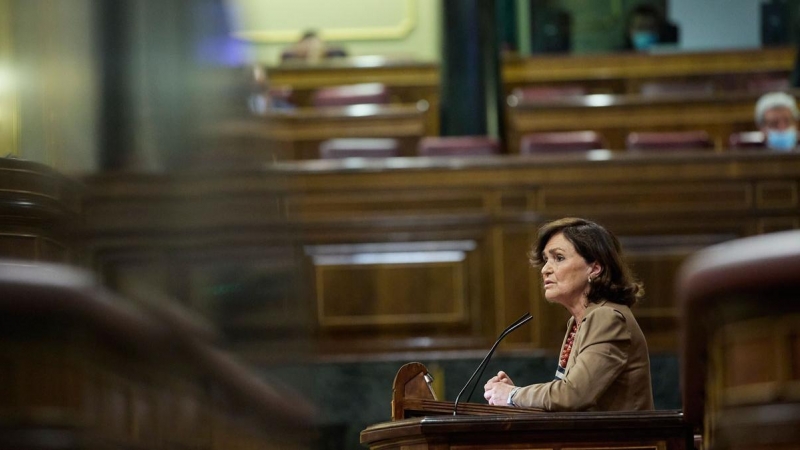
399 31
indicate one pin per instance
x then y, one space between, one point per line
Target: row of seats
353 94
650 89
534 143
428 146
378 93
554 142
571 141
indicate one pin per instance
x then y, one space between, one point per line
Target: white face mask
782 140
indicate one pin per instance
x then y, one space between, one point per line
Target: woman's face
565 274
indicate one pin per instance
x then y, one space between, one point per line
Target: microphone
482 366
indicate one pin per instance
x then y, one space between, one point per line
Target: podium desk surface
640 429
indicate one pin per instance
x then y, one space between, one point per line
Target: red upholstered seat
458 146
561 141
359 148
746 140
354 94
676 88
768 84
669 140
547 92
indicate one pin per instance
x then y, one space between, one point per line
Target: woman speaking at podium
604 364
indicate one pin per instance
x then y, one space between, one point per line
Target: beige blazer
607 370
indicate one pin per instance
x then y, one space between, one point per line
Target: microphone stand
482 366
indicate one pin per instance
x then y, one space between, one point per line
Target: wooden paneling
776 195
349 238
622 73
314 207
390 284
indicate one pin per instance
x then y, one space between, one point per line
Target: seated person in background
311 48
604 363
776 117
646 27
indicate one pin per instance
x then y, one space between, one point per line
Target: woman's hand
497 389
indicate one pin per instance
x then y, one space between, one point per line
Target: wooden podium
420 421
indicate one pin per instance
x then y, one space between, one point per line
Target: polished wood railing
40 213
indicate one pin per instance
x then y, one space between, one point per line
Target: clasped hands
497 389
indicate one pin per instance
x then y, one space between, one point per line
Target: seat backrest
668 140
458 146
335 52
290 55
534 93
657 88
560 141
359 148
353 94
768 84
746 139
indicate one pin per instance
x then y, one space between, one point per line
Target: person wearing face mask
776 117
646 28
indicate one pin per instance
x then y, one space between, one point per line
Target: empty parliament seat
547 92
458 146
359 148
560 141
761 84
657 88
746 140
668 140
354 94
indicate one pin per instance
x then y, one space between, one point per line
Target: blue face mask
783 141
643 40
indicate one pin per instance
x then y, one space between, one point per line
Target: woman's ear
595 269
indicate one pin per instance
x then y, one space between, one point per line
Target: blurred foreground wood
81 368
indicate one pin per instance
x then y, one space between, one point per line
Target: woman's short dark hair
594 243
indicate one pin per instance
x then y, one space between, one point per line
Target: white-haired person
776 117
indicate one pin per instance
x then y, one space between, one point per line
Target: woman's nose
546 268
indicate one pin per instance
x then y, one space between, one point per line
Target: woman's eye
559 258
